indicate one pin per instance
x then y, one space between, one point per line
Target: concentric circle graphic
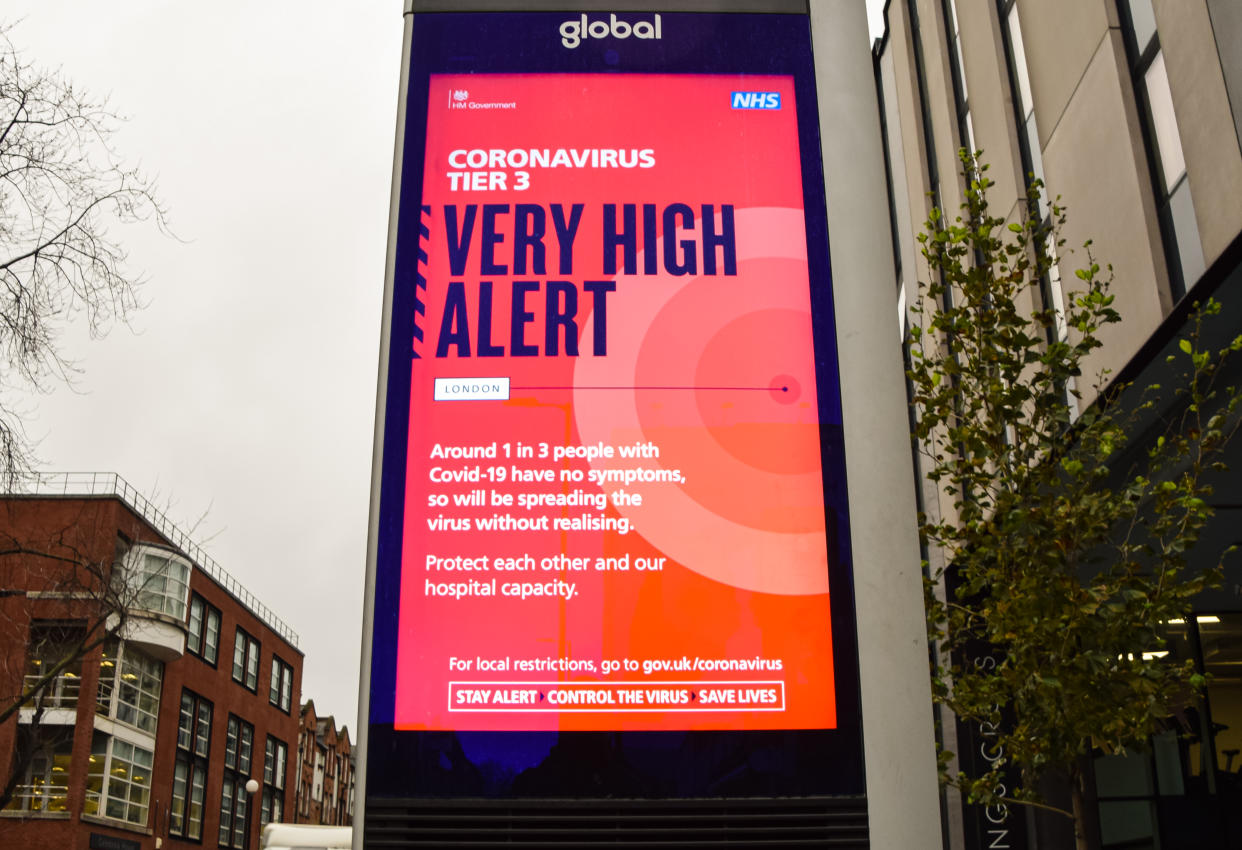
723 373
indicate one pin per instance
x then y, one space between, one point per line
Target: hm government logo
575 30
460 99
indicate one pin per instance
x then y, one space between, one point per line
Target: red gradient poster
614 502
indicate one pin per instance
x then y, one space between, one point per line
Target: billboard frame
891 647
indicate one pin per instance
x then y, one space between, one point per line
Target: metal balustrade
61 693
111 484
39 797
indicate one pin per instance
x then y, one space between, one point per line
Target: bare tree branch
59 579
62 184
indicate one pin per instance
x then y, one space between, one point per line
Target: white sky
246 388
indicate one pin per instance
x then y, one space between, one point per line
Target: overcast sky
244 392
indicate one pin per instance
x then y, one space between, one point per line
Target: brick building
325 771
183 694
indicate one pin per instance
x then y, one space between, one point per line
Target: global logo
460 95
575 30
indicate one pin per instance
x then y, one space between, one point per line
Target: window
317 786
204 628
50 644
234 802
185 813
44 787
234 811
965 126
238 745
1020 80
1051 295
334 770
274 764
304 760
126 793
282 685
1024 105
1174 205
159 581
129 687
246 660
194 725
1192 763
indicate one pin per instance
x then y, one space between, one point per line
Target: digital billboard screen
613 495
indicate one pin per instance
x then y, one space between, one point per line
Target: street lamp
252 785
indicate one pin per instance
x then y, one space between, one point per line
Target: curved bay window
159 581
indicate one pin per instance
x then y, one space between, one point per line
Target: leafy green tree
1064 562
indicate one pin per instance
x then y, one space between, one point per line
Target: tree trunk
23 755
1078 796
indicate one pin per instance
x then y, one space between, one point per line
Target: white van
297 836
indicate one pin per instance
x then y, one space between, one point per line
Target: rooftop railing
111 484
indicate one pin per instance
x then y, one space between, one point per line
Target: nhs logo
756 100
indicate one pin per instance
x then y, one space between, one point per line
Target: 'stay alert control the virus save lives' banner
614 508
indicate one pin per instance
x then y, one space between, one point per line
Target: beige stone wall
1062 38
1090 134
1096 161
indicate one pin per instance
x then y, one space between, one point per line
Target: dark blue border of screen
794 762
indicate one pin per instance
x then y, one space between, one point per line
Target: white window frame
137 813
125 662
159 581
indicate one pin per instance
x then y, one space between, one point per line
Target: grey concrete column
898 739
